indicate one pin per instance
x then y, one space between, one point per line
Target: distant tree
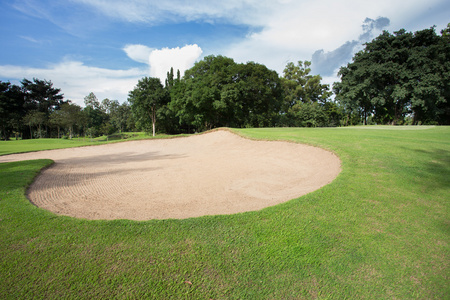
122 117
92 101
93 115
300 86
146 99
105 105
12 109
67 117
216 92
305 97
35 119
309 114
170 79
112 110
41 96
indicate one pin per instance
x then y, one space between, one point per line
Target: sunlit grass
380 230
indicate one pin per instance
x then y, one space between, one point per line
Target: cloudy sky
106 46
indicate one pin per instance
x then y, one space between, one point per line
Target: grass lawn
380 230
17 146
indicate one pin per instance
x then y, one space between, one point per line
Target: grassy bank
378 231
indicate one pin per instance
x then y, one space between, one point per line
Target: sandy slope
208 174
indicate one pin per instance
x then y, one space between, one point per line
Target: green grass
380 230
18 146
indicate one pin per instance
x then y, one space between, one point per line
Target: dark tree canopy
42 96
399 76
219 92
12 109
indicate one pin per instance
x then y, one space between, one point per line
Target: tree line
400 78
36 109
218 92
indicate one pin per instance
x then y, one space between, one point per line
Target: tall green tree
93 115
305 97
37 119
41 96
399 75
122 116
254 96
300 86
146 99
12 109
216 92
92 101
203 84
67 117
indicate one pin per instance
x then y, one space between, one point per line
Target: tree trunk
153 120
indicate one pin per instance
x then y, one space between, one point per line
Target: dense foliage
399 78
146 99
217 92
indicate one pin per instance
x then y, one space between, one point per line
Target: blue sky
105 47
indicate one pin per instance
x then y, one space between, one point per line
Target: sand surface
208 174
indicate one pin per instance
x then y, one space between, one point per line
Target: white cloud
294 30
287 30
77 80
162 60
139 53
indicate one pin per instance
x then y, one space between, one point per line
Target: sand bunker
207 174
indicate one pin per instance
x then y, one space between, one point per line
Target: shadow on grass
14 174
436 169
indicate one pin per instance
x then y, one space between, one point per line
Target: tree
35 118
67 117
122 117
200 102
305 97
170 79
254 96
92 101
216 92
300 86
309 114
12 109
105 106
41 96
93 115
146 99
399 75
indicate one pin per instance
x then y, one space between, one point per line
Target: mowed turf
380 230
18 146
